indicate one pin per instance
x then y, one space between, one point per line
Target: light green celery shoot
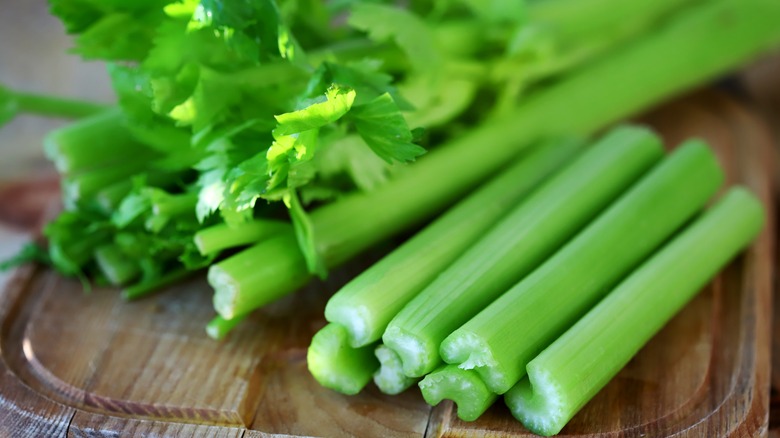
693 46
94 143
365 305
568 373
390 377
522 240
222 236
144 288
259 267
464 387
338 366
219 327
501 340
13 102
116 265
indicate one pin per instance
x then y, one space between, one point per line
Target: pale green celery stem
507 334
144 288
81 187
274 266
56 106
575 20
94 143
568 373
335 365
116 265
518 243
694 46
219 327
366 304
464 387
390 377
176 205
222 236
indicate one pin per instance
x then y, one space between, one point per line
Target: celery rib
544 304
219 327
390 377
258 268
464 387
366 304
222 236
336 365
518 243
568 373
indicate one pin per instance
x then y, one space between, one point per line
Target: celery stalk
464 387
116 265
390 377
56 106
693 46
338 366
541 306
365 305
94 142
222 236
577 365
219 327
518 243
258 267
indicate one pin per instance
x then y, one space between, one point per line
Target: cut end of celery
390 378
470 352
226 291
337 366
464 387
417 356
355 319
538 403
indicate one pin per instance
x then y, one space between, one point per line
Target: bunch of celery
495 308
227 107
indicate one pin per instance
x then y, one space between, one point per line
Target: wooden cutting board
89 364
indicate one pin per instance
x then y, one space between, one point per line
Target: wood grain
89 364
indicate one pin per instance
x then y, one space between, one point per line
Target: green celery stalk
693 46
390 377
219 237
219 327
464 387
569 372
336 365
549 300
116 265
518 243
365 305
56 106
175 205
93 143
258 268
144 288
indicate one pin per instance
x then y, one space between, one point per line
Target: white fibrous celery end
390 378
538 402
410 349
355 319
224 301
470 352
